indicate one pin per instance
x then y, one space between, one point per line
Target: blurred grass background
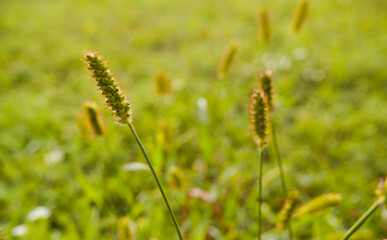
331 84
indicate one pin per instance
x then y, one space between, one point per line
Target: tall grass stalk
121 109
260 165
281 170
363 218
260 125
156 178
279 160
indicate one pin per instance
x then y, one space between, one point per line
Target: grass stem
279 160
156 178
260 160
282 175
362 219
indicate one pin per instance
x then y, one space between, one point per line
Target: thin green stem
362 219
279 160
260 160
282 175
157 179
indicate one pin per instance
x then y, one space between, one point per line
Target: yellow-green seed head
259 118
126 229
109 88
287 210
94 121
227 59
264 26
381 190
162 82
319 203
300 14
265 83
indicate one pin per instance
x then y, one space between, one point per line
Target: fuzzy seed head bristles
227 59
264 26
287 210
109 88
319 203
300 14
94 120
265 83
162 82
259 118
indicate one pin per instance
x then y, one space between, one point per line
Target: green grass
330 117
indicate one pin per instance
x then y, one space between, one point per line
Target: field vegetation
59 179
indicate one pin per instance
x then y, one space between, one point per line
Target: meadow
330 83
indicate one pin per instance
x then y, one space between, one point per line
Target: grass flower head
259 118
109 87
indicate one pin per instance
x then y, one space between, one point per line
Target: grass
330 117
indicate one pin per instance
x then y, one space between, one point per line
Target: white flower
202 104
54 157
19 230
38 213
135 166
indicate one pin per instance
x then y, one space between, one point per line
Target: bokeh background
331 84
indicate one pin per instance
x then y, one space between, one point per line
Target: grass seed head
265 83
259 118
264 26
94 121
287 210
109 88
300 14
227 59
162 82
319 203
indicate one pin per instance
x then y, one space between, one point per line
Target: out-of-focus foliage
330 80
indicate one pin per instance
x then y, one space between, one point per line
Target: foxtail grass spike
265 83
227 59
259 118
264 26
109 88
319 203
93 118
287 210
300 14
162 83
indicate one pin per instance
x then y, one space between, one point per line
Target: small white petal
19 230
54 157
39 213
135 166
